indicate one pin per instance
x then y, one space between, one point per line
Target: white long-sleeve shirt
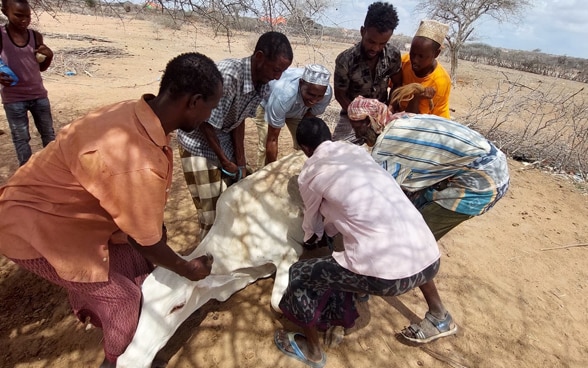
345 191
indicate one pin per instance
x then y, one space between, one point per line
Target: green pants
441 220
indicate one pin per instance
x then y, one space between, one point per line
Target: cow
257 231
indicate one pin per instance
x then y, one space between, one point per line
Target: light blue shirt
285 100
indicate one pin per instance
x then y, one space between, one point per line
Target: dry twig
566 246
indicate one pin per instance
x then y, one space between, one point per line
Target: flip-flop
297 354
416 332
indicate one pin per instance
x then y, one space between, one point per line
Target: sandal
297 354
429 329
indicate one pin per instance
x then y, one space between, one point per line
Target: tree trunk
453 70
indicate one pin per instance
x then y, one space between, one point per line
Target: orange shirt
438 79
110 170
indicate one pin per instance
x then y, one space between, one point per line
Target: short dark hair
274 45
312 131
381 16
6 2
190 73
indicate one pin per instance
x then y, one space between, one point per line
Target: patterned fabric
320 291
113 305
353 75
457 167
239 101
378 113
205 184
438 79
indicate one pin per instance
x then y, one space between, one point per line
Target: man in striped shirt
450 172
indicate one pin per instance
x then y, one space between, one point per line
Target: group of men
86 212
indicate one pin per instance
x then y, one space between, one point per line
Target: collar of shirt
150 121
382 59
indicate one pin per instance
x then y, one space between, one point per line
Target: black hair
311 132
6 2
190 73
381 16
274 45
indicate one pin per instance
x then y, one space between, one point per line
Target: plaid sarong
205 183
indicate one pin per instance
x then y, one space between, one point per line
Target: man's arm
341 97
271 144
395 82
341 82
212 139
162 255
238 135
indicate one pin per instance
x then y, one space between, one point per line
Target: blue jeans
18 120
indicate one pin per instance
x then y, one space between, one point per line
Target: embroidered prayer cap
433 30
316 74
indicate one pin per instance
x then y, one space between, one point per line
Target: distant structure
274 21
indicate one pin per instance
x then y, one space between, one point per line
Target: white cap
316 74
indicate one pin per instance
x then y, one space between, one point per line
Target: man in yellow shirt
420 66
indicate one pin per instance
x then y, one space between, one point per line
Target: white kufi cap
316 74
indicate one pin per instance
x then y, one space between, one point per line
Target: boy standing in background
24 52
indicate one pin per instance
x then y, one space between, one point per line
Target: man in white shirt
300 92
388 248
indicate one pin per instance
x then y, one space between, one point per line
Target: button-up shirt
285 100
106 172
353 74
239 101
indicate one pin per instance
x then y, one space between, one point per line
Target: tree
462 15
226 14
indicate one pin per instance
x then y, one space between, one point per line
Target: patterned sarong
320 292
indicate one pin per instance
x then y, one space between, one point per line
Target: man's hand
198 268
314 242
428 93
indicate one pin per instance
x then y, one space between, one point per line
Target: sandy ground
517 303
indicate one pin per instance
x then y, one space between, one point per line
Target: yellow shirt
438 79
110 170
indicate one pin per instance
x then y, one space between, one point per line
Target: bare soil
514 279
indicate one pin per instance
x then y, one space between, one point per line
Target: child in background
24 52
420 65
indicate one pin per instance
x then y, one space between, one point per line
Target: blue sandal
297 354
429 329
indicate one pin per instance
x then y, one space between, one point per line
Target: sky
556 27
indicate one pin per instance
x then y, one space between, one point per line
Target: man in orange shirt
420 65
86 212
